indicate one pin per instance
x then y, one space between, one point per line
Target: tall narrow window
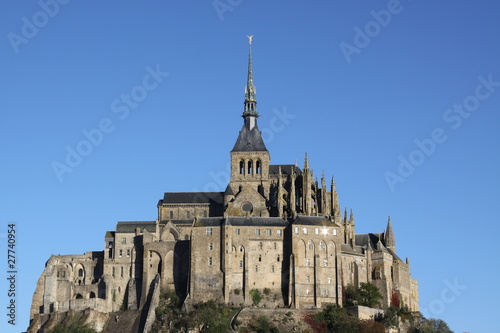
242 167
121 271
171 214
210 246
241 263
237 231
258 167
188 214
250 167
209 231
210 261
205 214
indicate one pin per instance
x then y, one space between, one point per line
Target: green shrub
256 296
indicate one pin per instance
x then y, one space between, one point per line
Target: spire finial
250 91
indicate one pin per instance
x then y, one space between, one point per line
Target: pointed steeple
306 163
250 91
250 138
389 239
335 203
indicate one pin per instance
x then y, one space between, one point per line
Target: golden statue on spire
250 38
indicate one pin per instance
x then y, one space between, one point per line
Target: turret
389 239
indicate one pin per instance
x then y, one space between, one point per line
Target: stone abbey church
274 227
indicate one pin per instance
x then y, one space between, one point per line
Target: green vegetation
262 325
367 295
335 319
209 317
73 326
256 296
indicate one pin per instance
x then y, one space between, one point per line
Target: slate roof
249 140
286 169
364 239
312 220
129 227
257 221
193 197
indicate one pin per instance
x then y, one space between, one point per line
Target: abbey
274 229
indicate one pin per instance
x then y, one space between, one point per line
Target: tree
423 325
369 295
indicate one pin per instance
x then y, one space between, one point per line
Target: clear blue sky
400 101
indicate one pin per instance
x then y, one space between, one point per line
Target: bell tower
249 156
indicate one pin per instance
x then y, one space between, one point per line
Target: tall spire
250 137
250 91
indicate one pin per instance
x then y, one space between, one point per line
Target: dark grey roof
208 222
193 197
286 169
129 227
364 239
249 140
312 220
257 221
229 191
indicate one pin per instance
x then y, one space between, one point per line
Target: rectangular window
304 231
128 252
335 232
256 268
279 232
268 232
329 280
296 230
124 240
325 262
210 261
316 231
257 232
210 246
241 263
308 279
209 231
272 269
121 253
237 231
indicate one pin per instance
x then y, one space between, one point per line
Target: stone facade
274 229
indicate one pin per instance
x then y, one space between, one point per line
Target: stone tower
249 185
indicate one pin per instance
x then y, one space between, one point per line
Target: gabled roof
129 227
193 197
249 140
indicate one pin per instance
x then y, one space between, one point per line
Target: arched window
258 167
92 294
250 167
310 245
242 168
79 296
80 272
